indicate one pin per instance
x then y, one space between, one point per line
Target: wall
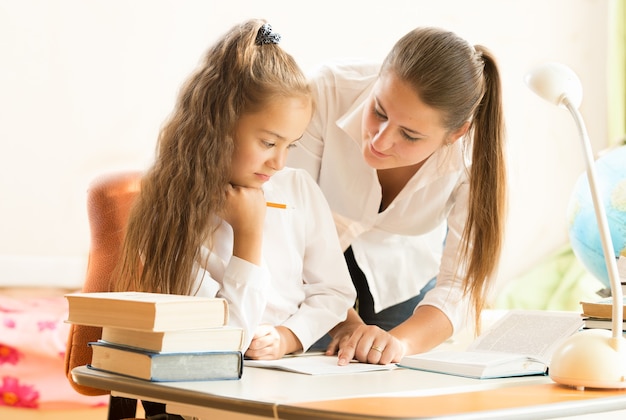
85 85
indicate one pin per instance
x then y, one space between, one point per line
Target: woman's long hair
463 82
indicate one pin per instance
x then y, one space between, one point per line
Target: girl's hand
245 208
271 342
245 213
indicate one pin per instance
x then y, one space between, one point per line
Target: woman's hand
370 344
353 339
425 329
271 342
342 331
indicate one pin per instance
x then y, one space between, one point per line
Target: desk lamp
593 358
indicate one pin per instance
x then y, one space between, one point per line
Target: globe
583 228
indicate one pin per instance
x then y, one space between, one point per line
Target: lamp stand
594 358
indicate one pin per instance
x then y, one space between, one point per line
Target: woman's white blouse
303 282
400 249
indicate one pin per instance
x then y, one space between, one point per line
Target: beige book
146 311
204 339
602 308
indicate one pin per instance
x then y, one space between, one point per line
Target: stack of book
160 337
599 314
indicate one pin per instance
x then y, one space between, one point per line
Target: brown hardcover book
146 311
203 339
166 367
602 308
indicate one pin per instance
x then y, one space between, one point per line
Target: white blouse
303 283
400 249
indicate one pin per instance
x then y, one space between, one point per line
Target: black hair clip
266 35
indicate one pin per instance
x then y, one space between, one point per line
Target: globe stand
590 358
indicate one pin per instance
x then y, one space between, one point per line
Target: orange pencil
276 205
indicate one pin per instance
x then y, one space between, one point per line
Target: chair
109 199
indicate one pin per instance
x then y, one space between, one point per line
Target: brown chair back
109 200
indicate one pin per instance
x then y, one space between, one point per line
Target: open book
521 343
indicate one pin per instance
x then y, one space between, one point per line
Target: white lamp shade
553 82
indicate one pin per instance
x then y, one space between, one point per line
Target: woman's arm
425 329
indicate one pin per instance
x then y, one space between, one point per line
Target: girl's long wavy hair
183 192
463 82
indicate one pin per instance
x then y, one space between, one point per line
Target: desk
394 394
378 395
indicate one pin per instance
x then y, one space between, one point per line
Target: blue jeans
387 318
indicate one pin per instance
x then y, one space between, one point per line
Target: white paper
316 365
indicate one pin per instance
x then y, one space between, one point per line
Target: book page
316 365
532 333
482 358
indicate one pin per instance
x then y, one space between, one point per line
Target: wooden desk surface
530 401
395 394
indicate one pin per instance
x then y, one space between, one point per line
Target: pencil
276 205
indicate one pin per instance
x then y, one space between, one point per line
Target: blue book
166 367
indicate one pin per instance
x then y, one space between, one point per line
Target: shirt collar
350 122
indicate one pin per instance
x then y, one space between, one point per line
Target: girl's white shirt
303 282
400 249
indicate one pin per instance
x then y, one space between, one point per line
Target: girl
201 224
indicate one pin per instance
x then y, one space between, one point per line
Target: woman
410 157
